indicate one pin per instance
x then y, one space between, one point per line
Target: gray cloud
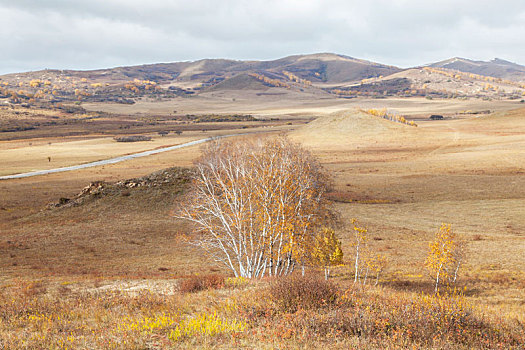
91 34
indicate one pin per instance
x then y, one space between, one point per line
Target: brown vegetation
104 269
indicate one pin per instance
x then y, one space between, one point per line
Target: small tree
327 250
366 261
360 240
376 263
445 255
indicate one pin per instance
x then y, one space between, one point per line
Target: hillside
350 127
318 74
169 80
497 68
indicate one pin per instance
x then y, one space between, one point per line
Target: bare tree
258 205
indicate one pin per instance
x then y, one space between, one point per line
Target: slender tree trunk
456 272
356 278
366 276
437 278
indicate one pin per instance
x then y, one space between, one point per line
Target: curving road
114 160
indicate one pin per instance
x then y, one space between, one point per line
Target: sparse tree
258 205
445 256
360 239
327 250
366 262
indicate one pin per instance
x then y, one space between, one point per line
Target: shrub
237 282
385 318
197 283
135 138
296 292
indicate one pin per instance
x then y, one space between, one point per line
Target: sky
90 34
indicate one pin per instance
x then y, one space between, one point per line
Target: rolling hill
350 127
322 74
497 68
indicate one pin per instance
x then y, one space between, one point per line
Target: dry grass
403 184
197 283
72 276
43 315
381 318
295 292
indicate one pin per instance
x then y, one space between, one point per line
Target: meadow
117 270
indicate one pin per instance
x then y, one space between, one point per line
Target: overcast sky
87 34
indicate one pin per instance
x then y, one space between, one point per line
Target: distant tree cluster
134 138
296 79
383 113
270 81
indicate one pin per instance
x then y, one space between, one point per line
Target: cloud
94 34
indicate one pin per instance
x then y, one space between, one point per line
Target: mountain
497 68
321 74
323 67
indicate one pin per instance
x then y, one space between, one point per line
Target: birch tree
327 250
360 240
258 205
445 256
367 262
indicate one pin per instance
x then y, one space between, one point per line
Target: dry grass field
298 105
115 270
403 182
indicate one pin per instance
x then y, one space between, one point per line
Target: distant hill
324 67
319 74
495 68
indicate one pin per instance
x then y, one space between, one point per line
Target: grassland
108 271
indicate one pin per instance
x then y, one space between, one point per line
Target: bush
136 138
379 318
296 292
237 282
197 283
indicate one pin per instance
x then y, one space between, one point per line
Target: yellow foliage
383 113
269 81
205 325
150 324
327 249
296 79
35 83
444 255
236 282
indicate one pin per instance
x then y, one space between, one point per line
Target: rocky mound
173 180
